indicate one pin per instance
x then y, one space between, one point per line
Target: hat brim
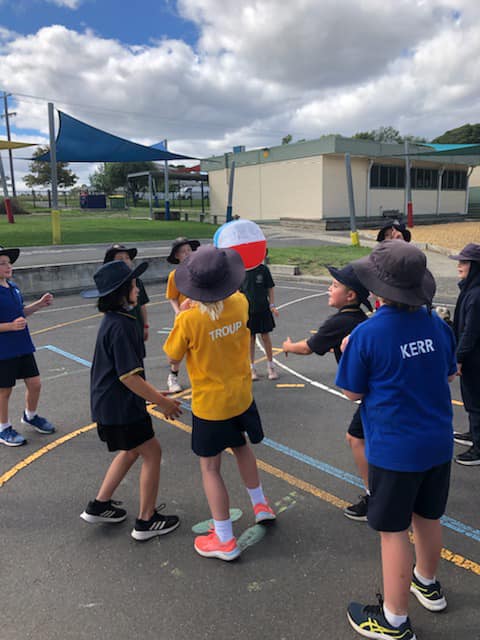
11 253
335 273
95 293
223 288
413 296
194 244
109 255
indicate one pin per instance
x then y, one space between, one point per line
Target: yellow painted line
457 403
5 477
450 556
289 386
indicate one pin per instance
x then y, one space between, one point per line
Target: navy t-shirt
401 361
334 329
13 343
118 353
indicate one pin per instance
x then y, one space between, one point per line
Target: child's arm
352 396
143 313
175 306
301 348
45 301
271 300
170 408
16 325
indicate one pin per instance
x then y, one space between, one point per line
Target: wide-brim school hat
111 276
116 248
397 271
11 253
176 244
394 224
210 274
470 252
347 277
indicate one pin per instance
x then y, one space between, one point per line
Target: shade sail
7 144
80 142
447 150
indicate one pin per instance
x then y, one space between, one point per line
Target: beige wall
335 192
475 178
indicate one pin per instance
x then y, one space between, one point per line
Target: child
118 392
17 361
120 252
346 293
394 230
466 323
399 364
214 336
258 288
181 249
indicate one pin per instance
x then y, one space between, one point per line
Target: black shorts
396 495
211 437
356 426
125 437
261 322
17 368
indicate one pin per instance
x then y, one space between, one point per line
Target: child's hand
145 334
45 301
274 310
286 346
170 408
343 346
19 324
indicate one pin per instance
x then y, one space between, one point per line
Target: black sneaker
370 621
357 511
430 596
463 438
158 525
471 457
103 512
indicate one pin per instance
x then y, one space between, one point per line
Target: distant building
307 180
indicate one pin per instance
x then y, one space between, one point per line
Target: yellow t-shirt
218 358
172 292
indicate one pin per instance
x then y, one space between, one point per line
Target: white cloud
260 70
69 4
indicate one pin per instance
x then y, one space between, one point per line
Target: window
384 176
423 178
454 180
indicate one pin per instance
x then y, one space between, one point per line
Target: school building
307 181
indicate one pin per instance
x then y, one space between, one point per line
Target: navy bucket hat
347 277
111 276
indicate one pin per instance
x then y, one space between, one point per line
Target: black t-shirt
334 329
141 300
255 286
118 352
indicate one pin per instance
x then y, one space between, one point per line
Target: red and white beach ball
246 238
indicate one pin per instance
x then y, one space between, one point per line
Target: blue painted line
450 523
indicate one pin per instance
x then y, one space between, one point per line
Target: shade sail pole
167 188
351 202
53 155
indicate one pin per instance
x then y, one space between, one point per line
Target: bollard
56 228
354 238
8 210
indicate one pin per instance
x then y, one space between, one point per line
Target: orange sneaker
263 512
209 546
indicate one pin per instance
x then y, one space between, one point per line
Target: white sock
367 491
252 366
423 580
223 529
270 364
257 495
4 425
393 619
30 414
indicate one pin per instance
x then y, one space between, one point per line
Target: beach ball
246 238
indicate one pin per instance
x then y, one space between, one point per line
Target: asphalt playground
65 579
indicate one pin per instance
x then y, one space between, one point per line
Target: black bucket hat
347 277
470 252
394 224
210 274
111 276
398 272
176 244
11 253
116 248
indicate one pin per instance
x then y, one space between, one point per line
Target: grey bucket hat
470 252
397 271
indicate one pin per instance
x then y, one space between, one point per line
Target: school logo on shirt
417 348
227 330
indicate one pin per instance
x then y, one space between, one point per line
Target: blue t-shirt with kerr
401 361
13 343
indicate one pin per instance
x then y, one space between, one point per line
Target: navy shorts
356 426
18 368
211 437
261 322
125 437
396 495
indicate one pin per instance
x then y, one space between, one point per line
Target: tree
113 175
387 135
40 173
466 134
287 139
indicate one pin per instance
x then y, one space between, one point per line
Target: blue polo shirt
401 361
13 343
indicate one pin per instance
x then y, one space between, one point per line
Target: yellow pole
56 228
354 238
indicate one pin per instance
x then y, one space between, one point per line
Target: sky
211 74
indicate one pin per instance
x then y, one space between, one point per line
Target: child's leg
5 394
247 465
32 393
117 470
357 446
252 348
397 565
151 453
267 343
214 487
428 545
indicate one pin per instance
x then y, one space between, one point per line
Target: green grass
312 260
80 227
